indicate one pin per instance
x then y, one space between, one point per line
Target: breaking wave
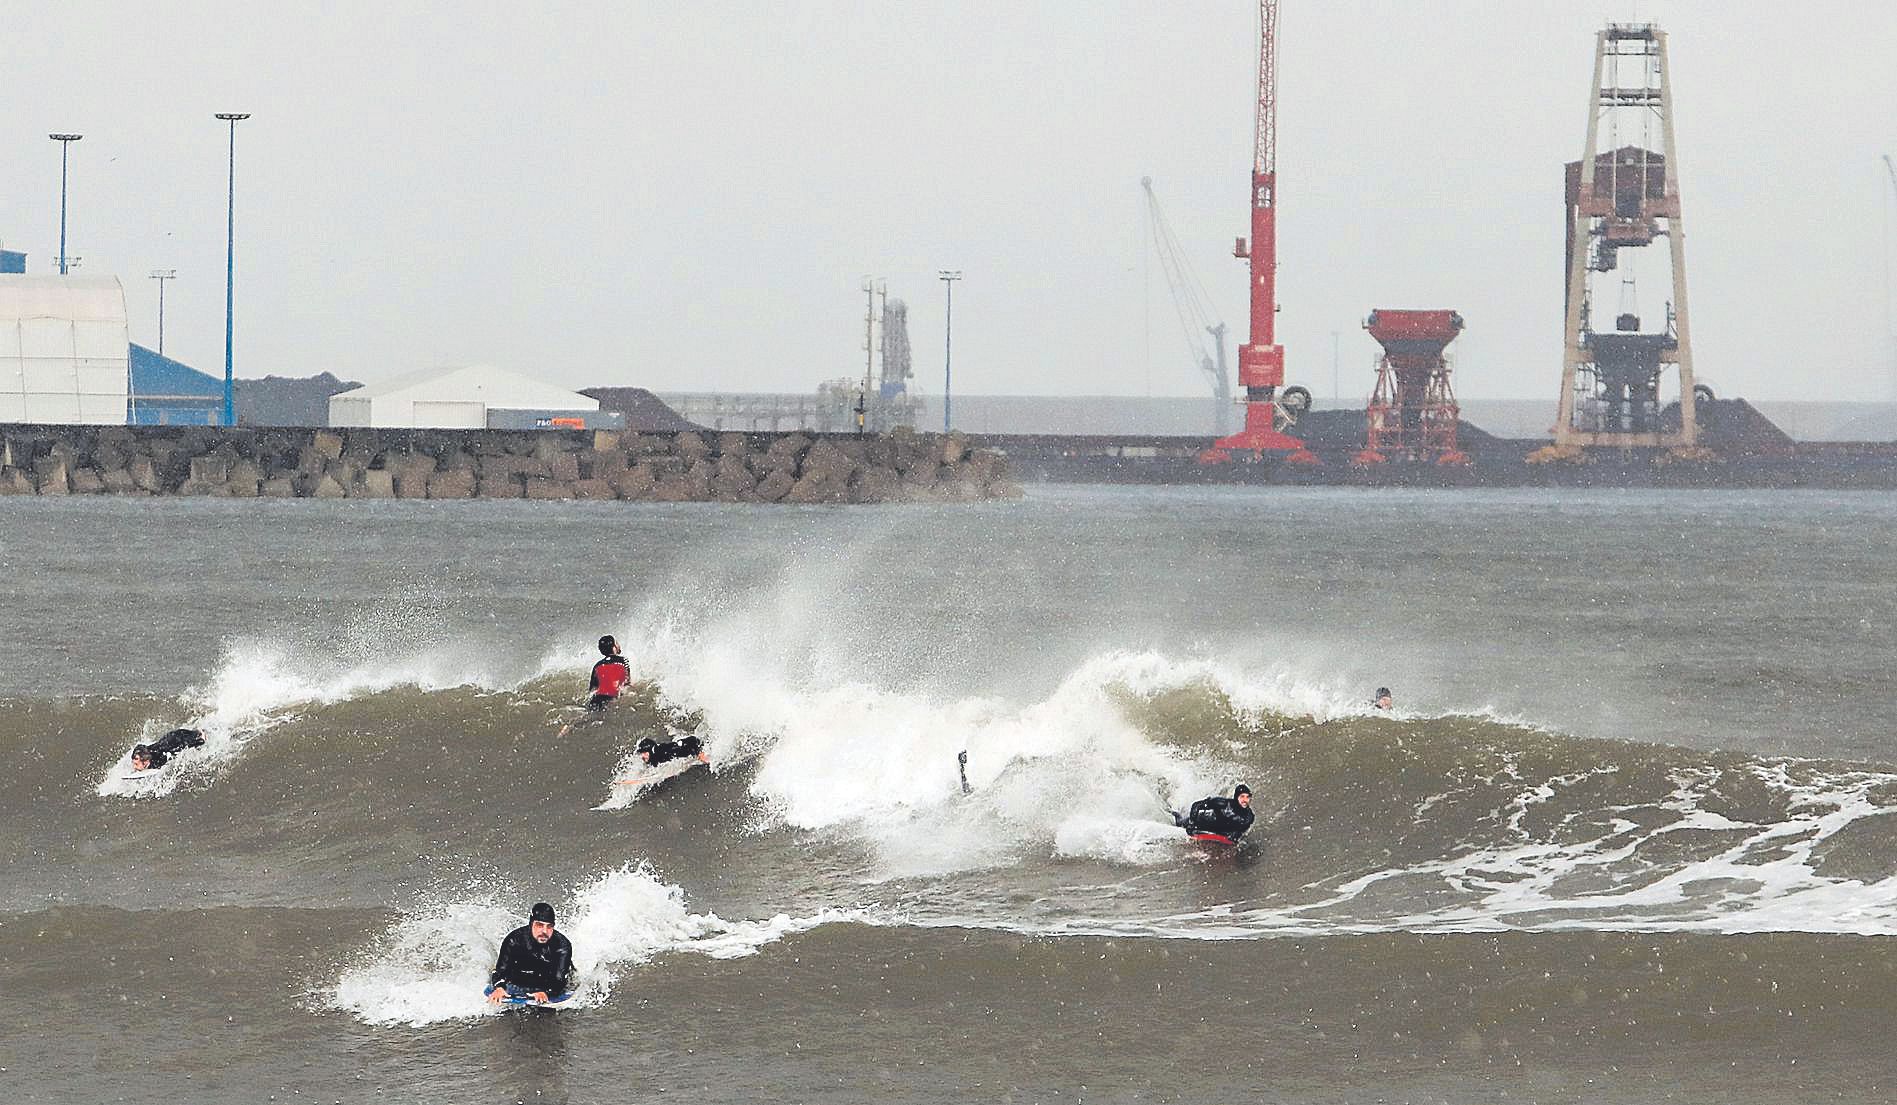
433 965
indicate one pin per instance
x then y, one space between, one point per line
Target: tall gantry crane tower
1621 199
1261 362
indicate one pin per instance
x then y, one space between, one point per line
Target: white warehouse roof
64 349
449 398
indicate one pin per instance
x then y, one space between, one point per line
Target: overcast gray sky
686 196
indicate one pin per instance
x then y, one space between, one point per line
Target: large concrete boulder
548 489
508 488
377 483
551 446
785 453
646 445
826 462
245 476
118 482
731 480
635 484
328 488
670 489
601 464
51 476
691 446
506 467
775 485
279 488
416 466
954 447
809 489
327 445
698 480
563 468
876 485
592 489
210 469
14 481
144 473
455 483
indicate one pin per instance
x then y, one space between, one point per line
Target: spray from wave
433 966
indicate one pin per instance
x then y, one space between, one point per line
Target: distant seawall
498 464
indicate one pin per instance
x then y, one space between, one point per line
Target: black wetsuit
1223 816
534 967
172 743
674 750
606 684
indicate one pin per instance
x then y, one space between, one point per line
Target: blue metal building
170 393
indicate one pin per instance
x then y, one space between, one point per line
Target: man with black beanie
535 962
1218 820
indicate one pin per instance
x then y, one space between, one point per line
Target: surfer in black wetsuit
1223 817
653 753
1382 701
159 752
611 673
535 961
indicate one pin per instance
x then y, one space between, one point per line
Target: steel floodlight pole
948 278
162 275
230 264
65 147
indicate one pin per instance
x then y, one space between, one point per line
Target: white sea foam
1066 775
1626 879
432 965
261 684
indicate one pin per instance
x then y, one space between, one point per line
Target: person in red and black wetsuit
611 673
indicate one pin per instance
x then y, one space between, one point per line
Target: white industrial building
64 350
465 398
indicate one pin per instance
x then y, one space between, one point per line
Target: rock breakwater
499 464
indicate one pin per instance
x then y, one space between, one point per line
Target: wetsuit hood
1240 789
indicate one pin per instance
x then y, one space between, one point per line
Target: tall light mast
1261 362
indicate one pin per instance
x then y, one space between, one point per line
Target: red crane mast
1261 362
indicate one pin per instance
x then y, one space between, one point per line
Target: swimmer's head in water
541 922
1383 698
1242 795
645 748
141 757
608 646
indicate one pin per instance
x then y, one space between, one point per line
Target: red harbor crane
1261 362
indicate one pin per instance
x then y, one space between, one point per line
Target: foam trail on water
433 965
262 683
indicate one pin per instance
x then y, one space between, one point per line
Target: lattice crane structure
1261 361
1621 199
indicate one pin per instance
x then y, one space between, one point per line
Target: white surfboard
654 775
